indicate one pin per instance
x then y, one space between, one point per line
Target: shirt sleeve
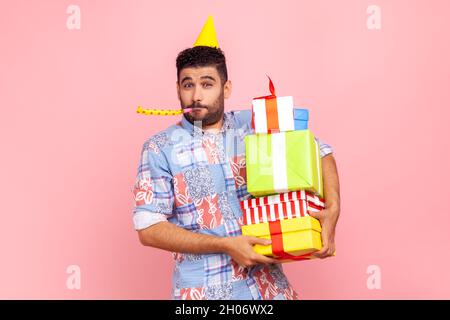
153 189
325 149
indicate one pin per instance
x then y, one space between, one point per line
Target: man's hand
328 219
240 248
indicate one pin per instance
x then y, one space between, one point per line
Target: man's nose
198 95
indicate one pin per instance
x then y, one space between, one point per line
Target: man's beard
214 113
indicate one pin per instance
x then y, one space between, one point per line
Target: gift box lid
301 224
307 223
301 114
283 197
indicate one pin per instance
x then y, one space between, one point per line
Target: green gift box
282 162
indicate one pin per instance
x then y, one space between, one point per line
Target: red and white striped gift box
294 204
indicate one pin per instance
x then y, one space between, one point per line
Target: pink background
71 139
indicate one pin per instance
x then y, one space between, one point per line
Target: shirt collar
227 124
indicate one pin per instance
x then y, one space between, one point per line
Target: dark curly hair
203 56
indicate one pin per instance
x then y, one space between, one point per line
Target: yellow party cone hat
207 36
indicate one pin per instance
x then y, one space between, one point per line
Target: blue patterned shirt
196 179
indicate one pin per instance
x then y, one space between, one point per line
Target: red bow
272 91
277 243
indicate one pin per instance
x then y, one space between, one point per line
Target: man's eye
207 85
187 85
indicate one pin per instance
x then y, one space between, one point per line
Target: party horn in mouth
161 112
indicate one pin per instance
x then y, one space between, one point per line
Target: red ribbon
277 243
271 104
272 91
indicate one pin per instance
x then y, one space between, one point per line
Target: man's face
201 89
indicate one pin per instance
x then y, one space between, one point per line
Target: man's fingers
320 256
267 260
318 215
321 253
255 240
325 252
331 250
278 261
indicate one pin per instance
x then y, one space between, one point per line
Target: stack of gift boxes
284 174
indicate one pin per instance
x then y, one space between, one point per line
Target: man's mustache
196 105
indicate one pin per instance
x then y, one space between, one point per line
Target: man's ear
227 89
178 91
